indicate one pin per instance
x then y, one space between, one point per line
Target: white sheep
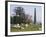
22 27
26 25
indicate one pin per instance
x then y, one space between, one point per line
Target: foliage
21 18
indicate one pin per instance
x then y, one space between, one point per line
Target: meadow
30 27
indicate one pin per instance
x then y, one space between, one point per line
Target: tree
19 11
20 16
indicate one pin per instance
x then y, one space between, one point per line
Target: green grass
31 27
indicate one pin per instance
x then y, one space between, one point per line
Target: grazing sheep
16 26
26 25
22 27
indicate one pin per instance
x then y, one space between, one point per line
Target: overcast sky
29 9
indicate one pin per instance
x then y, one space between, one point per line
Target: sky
29 9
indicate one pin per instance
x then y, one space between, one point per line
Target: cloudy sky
29 9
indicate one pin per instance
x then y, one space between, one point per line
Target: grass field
31 27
